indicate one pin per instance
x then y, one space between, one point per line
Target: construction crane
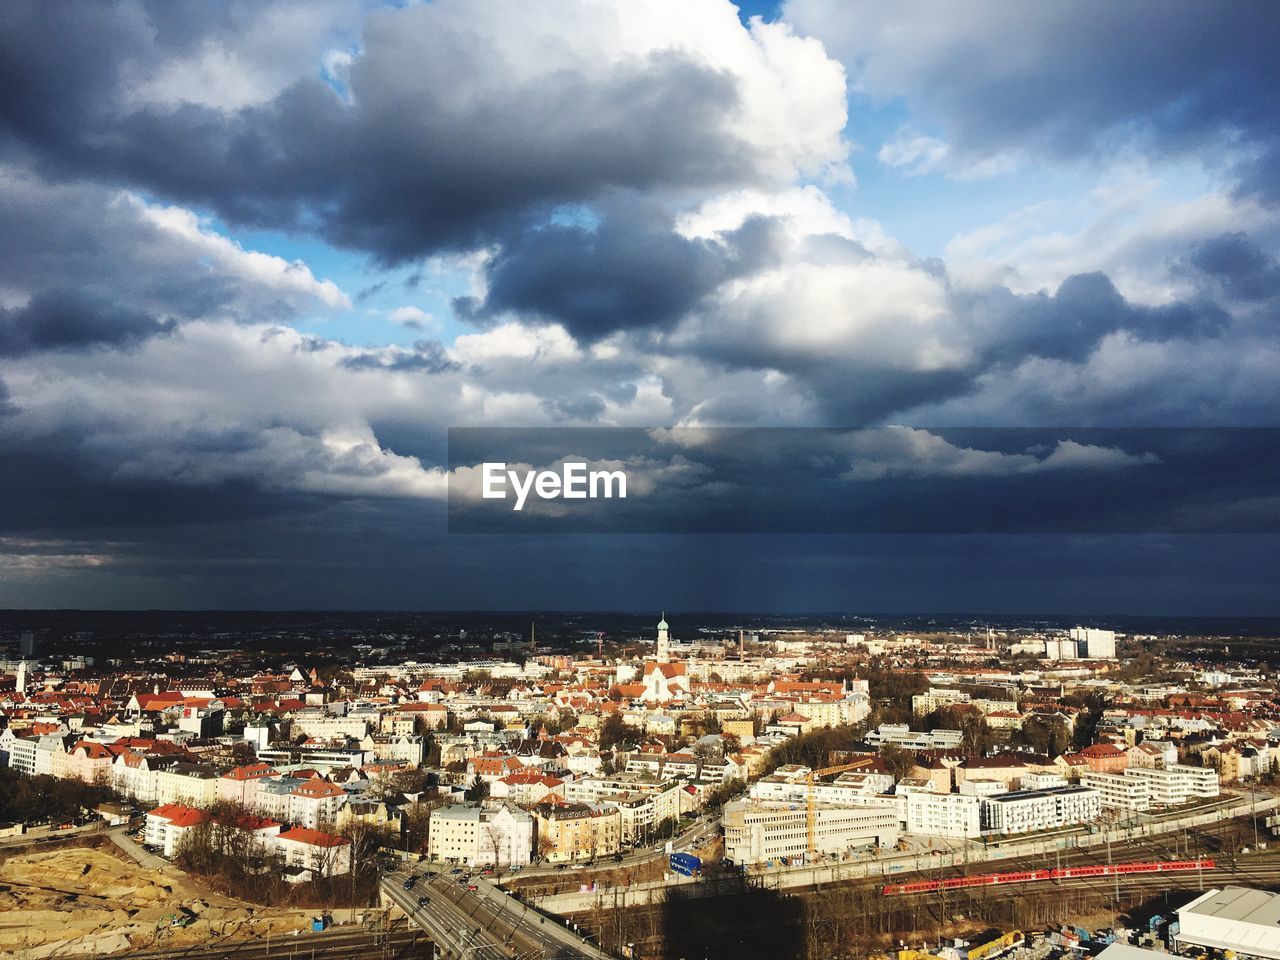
811 812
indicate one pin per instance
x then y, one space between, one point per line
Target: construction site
82 900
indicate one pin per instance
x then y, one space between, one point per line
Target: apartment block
942 815
1024 811
1120 791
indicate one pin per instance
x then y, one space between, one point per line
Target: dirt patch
80 900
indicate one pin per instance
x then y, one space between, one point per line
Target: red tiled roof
179 815
314 838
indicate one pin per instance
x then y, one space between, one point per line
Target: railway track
400 943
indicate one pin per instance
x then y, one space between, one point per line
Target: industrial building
1235 920
756 831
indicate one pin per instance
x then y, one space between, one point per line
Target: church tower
664 640
20 679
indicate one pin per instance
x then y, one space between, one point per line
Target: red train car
1031 876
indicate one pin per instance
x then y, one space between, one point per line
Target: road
140 854
700 831
486 922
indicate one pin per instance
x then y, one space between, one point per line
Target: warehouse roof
1234 918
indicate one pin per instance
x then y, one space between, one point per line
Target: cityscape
639 480
404 783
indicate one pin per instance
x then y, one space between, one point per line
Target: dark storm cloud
1244 270
631 271
111 248
883 480
1068 323
65 320
425 355
1180 78
410 165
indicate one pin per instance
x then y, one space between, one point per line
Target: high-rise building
27 645
1095 644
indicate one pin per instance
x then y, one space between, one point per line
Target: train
1057 873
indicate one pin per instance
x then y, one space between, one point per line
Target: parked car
408 884
472 886
423 901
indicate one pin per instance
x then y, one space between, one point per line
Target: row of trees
241 864
43 798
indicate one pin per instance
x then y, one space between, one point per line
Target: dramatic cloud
461 119
1052 79
62 320
258 258
112 247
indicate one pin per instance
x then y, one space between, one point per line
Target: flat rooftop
1234 918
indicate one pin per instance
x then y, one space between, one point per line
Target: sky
257 258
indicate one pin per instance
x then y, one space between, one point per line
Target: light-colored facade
313 854
477 834
1120 791
168 824
1233 920
1025 811
758 831
577 831
942 814
1178 783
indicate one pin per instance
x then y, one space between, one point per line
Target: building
194 784
1094 644
168 824
526 787
577 831
313 854
942 814
1235 920
1105 758
923 704
1024 811
1120 791
476 834
1177 783
240 784
756 831
901 735
315 802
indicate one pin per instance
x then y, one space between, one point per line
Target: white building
1042 781
790 784
1024 811
1095 644
1234 920
21 751
1119 790
315 803
477 834
168 824
942 814
312 854
901 735
756 831
1177 783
